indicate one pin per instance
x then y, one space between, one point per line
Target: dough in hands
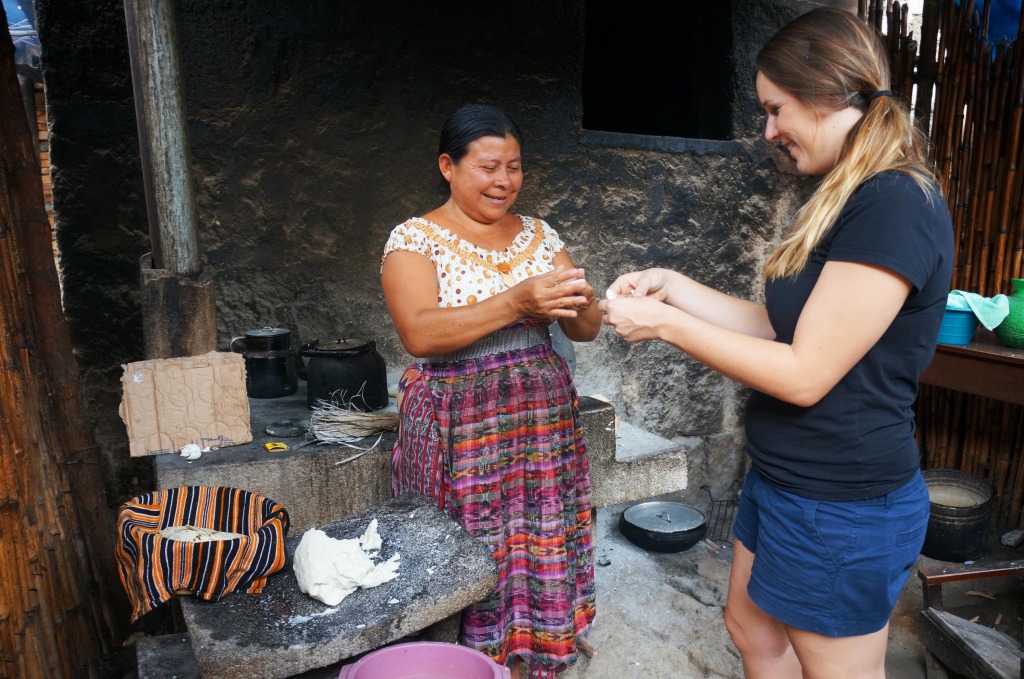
611 294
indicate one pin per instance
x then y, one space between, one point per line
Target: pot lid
338 347
267 331
343 345
664 517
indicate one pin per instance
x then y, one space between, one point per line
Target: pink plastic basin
424 660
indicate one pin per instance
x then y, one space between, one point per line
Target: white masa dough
329 569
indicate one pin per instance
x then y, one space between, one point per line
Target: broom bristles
332 423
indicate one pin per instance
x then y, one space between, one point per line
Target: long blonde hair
828 58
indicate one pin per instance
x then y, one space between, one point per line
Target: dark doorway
658 68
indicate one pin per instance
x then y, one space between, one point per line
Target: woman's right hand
636 319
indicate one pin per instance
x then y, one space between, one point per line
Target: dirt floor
660 615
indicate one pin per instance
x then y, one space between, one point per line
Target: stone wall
313 128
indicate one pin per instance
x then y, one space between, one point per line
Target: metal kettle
269 362
346 372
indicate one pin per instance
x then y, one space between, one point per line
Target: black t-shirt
858 441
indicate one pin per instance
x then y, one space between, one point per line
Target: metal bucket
961 510
269 362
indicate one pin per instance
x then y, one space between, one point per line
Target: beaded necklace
504 269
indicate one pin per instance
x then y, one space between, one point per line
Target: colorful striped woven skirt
497 441
153 567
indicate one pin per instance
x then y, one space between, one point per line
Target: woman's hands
562 293
647 283
635 319
849 309
635 303
676 293
581 319
411 292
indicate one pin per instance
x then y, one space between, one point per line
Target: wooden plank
969 648
983 368
996 569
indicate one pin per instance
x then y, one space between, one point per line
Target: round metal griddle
663 526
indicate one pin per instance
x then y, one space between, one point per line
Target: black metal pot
346 372
269 362
663 526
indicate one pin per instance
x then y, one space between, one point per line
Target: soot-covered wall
313 128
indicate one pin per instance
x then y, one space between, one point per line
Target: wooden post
179 309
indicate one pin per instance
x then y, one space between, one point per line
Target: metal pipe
163 135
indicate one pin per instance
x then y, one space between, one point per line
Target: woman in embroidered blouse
489 415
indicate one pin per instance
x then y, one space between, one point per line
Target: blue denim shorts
835 568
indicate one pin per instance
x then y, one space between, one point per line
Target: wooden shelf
983 368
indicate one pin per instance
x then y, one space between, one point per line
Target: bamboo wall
968 98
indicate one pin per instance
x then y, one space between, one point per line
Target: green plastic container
1011 331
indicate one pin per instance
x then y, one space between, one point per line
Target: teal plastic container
958 326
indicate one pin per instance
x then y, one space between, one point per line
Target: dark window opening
657 68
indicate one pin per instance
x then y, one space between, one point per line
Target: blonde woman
834 510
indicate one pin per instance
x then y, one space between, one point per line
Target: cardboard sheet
171 402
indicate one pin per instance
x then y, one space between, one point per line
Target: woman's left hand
586 291
579 317
561 293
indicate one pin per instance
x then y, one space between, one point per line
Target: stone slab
633 444
282 632
167 656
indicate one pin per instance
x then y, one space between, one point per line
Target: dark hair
469 123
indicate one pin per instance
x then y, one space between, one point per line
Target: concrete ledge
631 465
316 484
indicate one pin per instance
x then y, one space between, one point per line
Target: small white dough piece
191 451
610 294
370 540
